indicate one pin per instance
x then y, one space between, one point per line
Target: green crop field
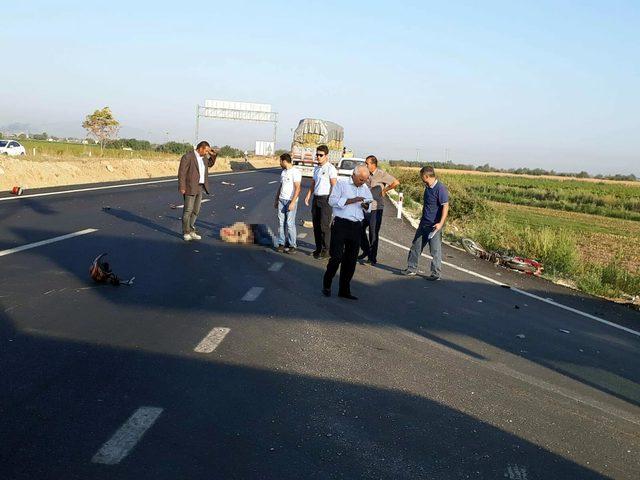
60 150
585 232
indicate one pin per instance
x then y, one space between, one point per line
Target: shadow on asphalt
165 271
230 421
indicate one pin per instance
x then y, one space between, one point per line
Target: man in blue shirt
435 209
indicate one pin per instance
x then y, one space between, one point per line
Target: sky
549 84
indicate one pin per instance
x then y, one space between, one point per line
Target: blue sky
537 84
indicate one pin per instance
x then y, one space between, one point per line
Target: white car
11 147
346 165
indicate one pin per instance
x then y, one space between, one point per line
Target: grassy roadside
595 254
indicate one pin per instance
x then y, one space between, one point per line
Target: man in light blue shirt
350 198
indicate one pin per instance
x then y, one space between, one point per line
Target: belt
355 222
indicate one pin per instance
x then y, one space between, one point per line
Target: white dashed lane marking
245 189
252 294
212 340
275 181
276 266
127 436
46 242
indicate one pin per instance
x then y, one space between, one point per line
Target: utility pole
417 155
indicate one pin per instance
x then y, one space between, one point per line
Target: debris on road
227 183
521 264
101 272
520 335
17 190
563 330
106 208
480 301
306 223
239 207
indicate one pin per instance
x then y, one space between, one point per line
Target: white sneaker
195 236
187 237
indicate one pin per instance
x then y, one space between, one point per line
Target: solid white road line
275 181
245 189
252 294
212 340
302 235
204 200
276 266
127 436
124 185
523 292
46 242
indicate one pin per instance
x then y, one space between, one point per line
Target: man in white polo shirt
286 203
325 176
350 198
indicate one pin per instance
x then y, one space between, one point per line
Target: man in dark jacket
193 179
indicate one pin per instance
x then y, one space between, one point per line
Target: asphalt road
226 361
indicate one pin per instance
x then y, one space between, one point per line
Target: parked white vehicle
346 165
11 147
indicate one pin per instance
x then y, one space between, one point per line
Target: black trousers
369 240
345 245
321 218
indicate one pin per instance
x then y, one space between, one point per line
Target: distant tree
230 152
102 126
131 143
280 152
40 136
174 147
22 136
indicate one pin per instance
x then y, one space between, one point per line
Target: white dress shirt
343 190
201 168
322 177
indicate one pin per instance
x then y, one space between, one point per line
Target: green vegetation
617 200
230 152
598 254
514 171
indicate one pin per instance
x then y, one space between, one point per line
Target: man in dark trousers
435 209
193 179
350 198
325 176
380 182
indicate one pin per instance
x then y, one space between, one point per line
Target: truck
311 133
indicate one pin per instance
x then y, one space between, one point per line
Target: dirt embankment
46 171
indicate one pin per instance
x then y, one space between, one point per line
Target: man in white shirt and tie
350 198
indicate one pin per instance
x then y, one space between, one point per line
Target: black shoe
373 263
324 254
408 273
348 296
363 256
326 292
280 249
316 254
433 278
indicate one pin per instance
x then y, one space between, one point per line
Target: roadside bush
555 249
609 280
